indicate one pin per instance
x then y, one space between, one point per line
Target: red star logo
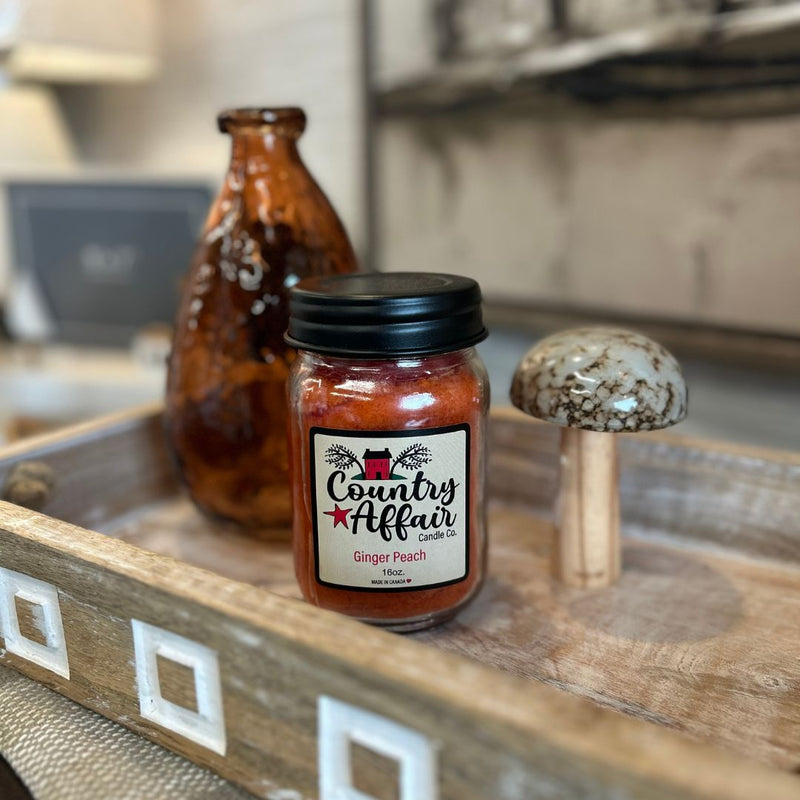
339 515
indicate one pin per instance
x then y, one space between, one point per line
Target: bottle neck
262 151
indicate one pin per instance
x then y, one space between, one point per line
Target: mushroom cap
601 379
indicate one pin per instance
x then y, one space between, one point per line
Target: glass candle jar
388 401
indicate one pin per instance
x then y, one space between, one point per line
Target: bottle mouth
289 121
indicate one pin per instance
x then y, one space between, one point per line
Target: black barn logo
378 465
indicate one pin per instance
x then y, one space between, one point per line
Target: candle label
390 509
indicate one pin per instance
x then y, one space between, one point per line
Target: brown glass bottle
269 227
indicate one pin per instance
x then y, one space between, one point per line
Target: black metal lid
374 315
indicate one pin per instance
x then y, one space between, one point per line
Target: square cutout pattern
177 683
341 725
204 726
373 774
45 613
30 620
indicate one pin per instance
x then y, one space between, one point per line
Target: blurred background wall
680 211
631 161
674 197
673 218
217 54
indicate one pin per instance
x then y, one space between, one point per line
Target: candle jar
388 401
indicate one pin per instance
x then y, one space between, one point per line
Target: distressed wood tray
682 681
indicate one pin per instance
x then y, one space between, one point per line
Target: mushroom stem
587 514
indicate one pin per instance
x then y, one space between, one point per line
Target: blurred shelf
733 63
761 351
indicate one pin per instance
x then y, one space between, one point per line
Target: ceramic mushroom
595 383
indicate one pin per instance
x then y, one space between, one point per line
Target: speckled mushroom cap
601 379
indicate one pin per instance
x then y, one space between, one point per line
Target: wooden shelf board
739 34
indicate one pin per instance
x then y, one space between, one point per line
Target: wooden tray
701 636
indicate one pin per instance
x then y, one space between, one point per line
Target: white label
390 508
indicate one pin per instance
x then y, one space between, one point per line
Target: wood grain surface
700 635
742 499
690 638
102 468
497 735
587 510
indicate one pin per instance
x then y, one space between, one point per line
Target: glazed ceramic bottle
270 226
